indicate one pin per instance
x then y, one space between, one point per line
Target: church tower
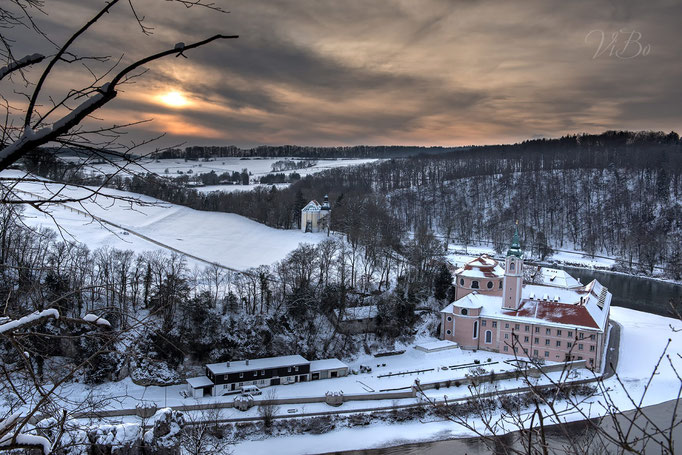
513 274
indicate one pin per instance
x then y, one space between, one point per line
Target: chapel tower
513 274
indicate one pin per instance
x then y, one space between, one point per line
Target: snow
198 382
33 317
96 320
326 364
642 340
256 364
28 440
558 278
257 167
24 61
358 313
433 346
226 239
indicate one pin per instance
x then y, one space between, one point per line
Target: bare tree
203 433
268 408
493 414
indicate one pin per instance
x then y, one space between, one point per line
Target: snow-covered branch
28 320
21 63
8 440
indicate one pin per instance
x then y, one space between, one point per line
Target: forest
174 316
616 194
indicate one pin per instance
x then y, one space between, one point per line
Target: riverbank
642 340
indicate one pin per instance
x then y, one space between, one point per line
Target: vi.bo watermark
623 44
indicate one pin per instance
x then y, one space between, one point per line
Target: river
660 414
652 296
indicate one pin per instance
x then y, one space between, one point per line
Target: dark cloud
429 72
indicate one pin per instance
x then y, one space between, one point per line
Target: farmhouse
315 216
558 319
230 377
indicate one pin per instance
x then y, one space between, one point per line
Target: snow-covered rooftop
198 382
587 306
357 313
326 364
256 364
557 278
481 267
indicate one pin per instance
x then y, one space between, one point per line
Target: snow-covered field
256 167
223 238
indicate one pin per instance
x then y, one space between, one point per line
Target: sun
174 99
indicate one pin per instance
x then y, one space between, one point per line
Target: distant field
224 238
257 167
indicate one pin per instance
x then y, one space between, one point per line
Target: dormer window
474 284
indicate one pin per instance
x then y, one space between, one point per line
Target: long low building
230 377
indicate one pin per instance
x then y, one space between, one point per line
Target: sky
347 72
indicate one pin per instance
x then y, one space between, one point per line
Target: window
461 281
449 318
506 348
511 266
255 373
591 361
475 329
537 329
483 323
506 326
547 342
241 384
295 368
506 336
558 343
526 328
592 348
581 335
448 331
517 327
241 375
580 357
494 324
569 344
289 370
488 336
500 285
262 372
535 352
474 284
525 339
570 333
490 284
558 333
592 337
548 331
580 346
536 340
464 312
546 353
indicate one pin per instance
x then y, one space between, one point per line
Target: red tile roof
560 313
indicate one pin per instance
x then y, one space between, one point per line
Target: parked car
251 390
